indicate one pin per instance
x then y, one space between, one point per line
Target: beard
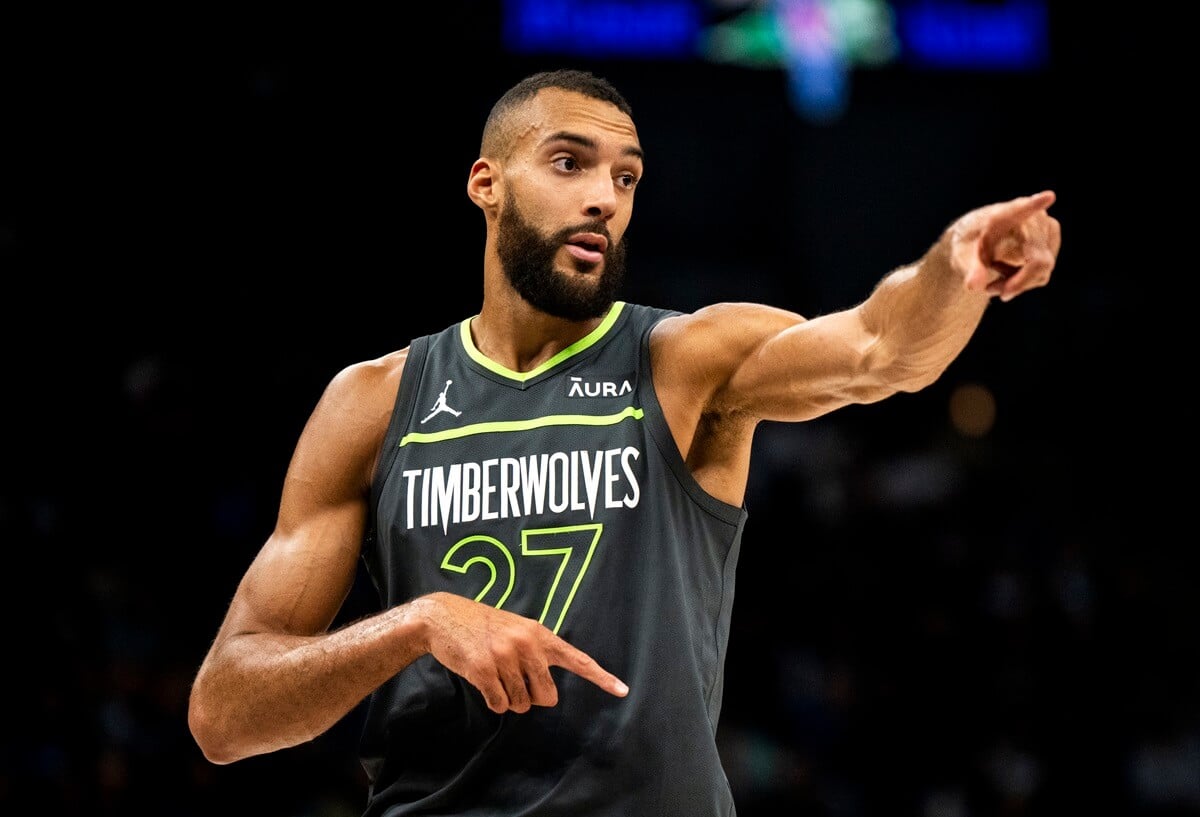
528 261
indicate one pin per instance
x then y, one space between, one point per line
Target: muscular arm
275 676
725 368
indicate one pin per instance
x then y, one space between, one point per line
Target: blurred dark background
975 600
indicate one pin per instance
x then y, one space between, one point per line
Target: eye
627 180
568 164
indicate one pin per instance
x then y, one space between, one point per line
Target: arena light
602 28
817 42
975 36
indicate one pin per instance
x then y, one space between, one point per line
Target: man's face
528 259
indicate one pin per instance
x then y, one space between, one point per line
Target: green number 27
573 544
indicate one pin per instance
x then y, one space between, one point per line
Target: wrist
416 622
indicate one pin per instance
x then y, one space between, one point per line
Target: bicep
808 368
300 577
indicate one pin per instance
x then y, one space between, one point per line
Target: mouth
589 247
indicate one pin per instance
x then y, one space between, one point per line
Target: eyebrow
590 144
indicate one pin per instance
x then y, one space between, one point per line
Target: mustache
598 227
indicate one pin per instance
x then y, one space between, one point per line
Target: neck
518 336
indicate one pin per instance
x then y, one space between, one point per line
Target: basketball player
549 495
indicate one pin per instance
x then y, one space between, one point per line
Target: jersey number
573 544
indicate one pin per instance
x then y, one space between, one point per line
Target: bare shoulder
718 336
367 382
352 415
694 357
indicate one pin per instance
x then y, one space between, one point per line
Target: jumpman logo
441 406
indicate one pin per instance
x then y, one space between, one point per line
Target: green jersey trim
632 412
576 347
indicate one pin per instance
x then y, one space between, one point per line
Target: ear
483 184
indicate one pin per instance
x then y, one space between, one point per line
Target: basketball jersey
558 494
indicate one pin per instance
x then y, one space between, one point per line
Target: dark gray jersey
558 494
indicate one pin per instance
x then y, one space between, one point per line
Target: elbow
213 740
916 379
889 372
910 380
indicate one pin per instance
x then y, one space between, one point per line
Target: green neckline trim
578 346
524 425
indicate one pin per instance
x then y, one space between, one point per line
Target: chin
589 269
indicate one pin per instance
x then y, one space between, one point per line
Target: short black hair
566 79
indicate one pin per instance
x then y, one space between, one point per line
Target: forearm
262 692
922 316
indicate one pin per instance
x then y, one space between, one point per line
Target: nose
600 200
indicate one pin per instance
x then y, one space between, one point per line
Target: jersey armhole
406 399
656 421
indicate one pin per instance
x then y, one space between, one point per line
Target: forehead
553 112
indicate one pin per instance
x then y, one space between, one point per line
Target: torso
559 494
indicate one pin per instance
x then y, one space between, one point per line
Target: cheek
620 222
536 206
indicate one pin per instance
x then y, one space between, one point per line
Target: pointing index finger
562 654
1021 208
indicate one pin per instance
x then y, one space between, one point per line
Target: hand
505 656
1007 248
